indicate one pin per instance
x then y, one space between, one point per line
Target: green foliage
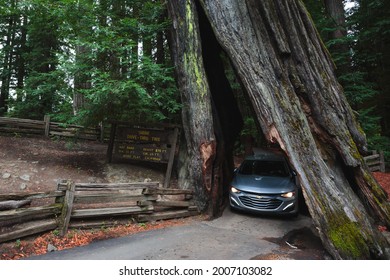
44 93
111 53
18 243
135 99
125 82
249 127
142 225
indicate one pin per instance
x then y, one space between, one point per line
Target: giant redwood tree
288 78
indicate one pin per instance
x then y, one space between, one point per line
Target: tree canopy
101 59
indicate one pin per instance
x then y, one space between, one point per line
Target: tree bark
335 9
7 63
13 204
199 148
289 78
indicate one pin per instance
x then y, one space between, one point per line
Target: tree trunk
289 78
6 72
335 9
20 60
82 78
200 143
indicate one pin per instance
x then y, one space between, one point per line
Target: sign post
134 142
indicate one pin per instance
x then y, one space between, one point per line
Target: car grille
260 202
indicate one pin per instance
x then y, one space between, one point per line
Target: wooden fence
88 206
48 128
376 162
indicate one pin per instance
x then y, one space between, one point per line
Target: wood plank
67 210
168 173
38 126
193 208
111 142
113 197
32 195
16 214
109 187
162 191
85 213
63 134
57 124
166 215
374 168
371 163
382 167
74 135
46 120
145 203
5 120
368 158
116 186
99 223
28 228
19 130
13 204
173 203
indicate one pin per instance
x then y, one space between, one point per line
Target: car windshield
263 168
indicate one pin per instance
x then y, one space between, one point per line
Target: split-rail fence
90 206
52 129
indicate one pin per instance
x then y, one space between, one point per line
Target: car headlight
288 195
234 190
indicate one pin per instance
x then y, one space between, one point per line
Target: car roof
266 154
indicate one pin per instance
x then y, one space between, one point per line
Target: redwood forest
309 77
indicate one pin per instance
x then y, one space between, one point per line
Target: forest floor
36 164
30 164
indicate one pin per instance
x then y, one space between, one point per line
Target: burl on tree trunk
289 79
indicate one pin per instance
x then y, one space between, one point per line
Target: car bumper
264 204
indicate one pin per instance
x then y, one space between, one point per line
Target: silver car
264 183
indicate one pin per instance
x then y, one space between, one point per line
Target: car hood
263 184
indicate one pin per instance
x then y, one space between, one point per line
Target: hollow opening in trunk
228 120
236 127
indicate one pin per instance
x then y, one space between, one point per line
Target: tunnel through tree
288 77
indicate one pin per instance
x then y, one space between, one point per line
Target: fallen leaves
74 238
384 180
382 228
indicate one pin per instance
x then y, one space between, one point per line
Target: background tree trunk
335 9
289 78
7 63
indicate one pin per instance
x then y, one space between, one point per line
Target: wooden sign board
141 152
134 142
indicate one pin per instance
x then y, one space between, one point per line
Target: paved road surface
233 236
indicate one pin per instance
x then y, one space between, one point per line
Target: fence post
168 173
111 142
101 126
47 125
382 162
67 208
